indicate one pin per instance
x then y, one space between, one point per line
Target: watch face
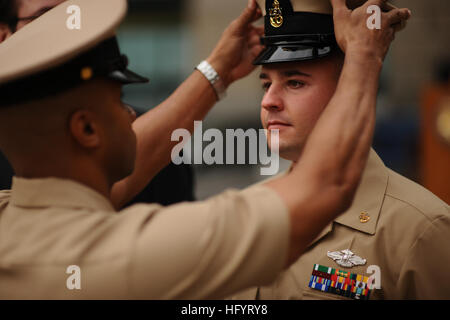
443 120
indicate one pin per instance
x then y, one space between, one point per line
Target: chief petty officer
395 232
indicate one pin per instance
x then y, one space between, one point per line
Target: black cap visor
296 47
127 76
292 53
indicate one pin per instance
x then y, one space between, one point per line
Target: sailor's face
118 147
28 10
295 94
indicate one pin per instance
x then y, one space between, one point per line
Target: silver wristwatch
213 77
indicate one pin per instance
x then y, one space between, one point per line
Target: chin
290 156
290 151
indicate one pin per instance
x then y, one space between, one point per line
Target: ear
5 32
85 129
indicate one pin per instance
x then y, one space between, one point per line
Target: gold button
86 73
364 217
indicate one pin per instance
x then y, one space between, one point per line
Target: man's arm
213 248
323 183
232 59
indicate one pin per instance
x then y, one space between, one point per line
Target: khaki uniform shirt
407 235
197 250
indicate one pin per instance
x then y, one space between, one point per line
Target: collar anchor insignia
276 15
364 217
346 258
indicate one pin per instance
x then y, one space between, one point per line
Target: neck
294 159
87 174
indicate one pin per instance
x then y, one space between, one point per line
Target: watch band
213 77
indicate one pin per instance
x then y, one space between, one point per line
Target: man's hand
352 33
239 46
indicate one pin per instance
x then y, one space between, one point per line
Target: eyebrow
290 73
286 74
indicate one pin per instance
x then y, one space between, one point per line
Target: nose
272 100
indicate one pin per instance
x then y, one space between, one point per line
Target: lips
277 124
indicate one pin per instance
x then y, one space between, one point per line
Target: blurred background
166 39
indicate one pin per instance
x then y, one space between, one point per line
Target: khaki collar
368 199
56 192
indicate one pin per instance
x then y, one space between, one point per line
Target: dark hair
8 13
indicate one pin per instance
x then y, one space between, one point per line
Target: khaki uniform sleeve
424 274
211 249
5 195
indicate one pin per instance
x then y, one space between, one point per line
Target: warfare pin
346 258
